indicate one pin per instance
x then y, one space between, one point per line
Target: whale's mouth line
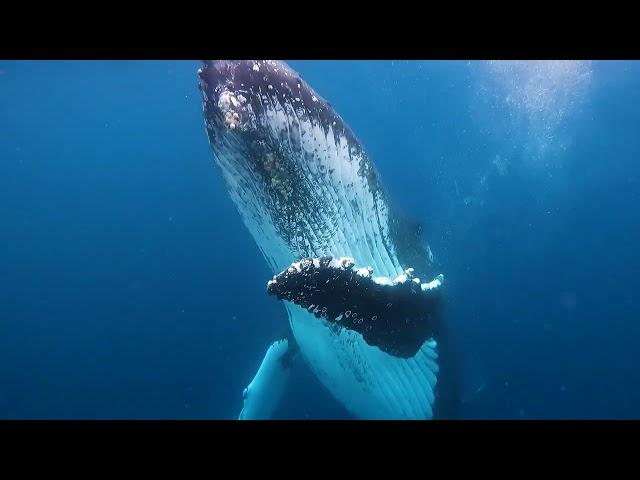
397 315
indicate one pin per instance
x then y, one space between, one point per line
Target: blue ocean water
129 287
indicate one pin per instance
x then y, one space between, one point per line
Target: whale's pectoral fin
397 316
263 394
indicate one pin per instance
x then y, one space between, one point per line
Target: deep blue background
129 287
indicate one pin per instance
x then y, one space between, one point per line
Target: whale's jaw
305 187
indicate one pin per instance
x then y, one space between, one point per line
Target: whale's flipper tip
396 315
262 396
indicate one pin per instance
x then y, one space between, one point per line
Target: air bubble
347 313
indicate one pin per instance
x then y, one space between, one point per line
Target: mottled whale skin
306 188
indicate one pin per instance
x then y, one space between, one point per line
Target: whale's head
256 113
299 176
292 165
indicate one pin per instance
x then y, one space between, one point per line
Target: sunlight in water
527 109
539 96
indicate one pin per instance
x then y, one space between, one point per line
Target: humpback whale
355 275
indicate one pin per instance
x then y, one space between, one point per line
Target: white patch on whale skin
433 284
347 262
363 272
383 281
400 279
